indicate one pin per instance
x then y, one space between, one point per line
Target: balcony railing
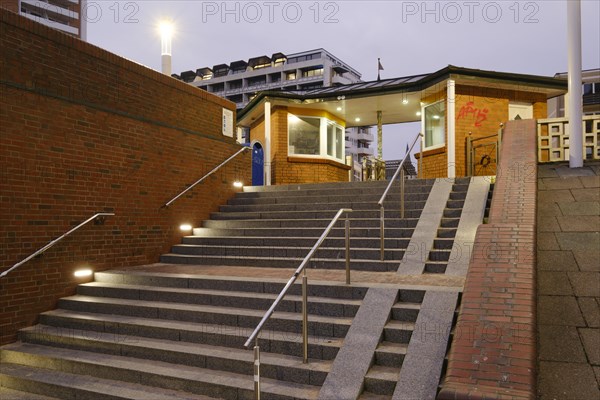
553 139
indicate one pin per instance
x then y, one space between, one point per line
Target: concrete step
227 298
280 262
392 204
371 185
406 312
308 242
226 316
308 223
236 360
390 354
337 253
436 267
372 396
458 195
70 386
335 290
441 243
330 198
440 255
10 394
449 222
446 233
382 380
452 212
323 214
398 331
270 340
392 233
158 374
455 204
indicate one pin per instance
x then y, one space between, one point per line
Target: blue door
258 165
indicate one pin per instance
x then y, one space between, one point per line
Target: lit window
435 120
315 136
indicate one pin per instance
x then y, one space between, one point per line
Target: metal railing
215 169
400 171
97 217
301 269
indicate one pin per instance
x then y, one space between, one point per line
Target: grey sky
410 37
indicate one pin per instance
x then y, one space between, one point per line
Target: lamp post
166 35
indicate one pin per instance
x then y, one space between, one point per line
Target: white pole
267 143
166 34
575 82
450 115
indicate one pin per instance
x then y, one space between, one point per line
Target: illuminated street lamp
166 34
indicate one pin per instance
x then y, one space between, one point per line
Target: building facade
591 95
240 81
63 15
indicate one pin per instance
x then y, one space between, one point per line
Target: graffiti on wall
468 111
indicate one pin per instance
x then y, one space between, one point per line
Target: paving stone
580 208
588 194
561 183
590 181
585 283
565 172
587 259
579 223
547 223
547 241
547 171
550 260
548 208
561 343
551 196
554 283
597 373
590 337
590 310
567 381
578 240
559 310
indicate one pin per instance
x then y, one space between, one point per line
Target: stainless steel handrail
387 189
299 270
53 242
215 169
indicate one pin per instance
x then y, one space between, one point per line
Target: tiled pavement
568 268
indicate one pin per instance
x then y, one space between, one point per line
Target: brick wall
85 131
493 352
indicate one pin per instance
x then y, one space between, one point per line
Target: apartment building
64 15
240 81
591 95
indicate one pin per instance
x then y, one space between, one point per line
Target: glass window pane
340 142
435 120
303 133
330 139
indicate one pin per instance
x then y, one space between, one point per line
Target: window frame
424 125
338 132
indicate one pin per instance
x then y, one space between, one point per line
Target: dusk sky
409 37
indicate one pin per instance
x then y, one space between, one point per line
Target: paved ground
568 267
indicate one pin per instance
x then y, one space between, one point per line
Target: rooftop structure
64 15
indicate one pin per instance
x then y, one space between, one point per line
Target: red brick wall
493 352
84 131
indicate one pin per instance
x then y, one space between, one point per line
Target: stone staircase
138 334
276 227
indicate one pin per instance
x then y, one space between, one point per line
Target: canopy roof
399 99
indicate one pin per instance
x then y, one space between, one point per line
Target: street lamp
166 34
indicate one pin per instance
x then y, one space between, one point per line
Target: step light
82 273
185 227
238 184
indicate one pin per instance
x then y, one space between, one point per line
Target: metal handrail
53 242
284 291
215 169
387 189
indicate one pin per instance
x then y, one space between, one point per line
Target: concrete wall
85 131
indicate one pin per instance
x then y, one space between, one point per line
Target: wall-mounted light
82 273
357 119
185 227
238 184
404 101
339 108
418 113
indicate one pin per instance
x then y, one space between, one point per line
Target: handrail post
256 370
382 231
347 225
469 140
304 318
402 193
